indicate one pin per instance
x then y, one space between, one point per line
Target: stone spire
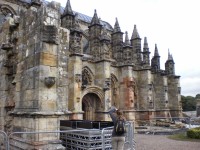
117 42
116 26
170 56
145 47
156 51
135 34
155 61
169 65
68 9
146 52
127 41
136 46
95 19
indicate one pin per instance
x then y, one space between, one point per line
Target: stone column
75 74
103 80
127 99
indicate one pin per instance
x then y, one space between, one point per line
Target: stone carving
50 34
107 84
105 50
78 78
16 19
127 57
86 78
49 81
84 81
75 43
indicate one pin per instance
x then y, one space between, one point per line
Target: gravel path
161 142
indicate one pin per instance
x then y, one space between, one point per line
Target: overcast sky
171 24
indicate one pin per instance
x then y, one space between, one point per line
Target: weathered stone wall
8 71
174 96
39 73
145 91
5 29
158 89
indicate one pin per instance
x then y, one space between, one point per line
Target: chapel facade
58 64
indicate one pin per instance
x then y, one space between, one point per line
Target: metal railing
105 134
4 143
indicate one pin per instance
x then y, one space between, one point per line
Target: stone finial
135 34
68 9
156 51
127 41
170 56
145 47
116 26
95 19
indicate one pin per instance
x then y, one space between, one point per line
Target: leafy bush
194 133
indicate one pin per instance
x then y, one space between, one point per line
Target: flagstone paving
162 142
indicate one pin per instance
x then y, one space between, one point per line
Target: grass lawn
182 137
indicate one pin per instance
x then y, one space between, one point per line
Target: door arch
90 105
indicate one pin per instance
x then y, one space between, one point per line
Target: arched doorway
90 105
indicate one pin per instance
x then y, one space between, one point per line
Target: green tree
188 103
197 96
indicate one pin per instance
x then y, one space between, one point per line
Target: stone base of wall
19 143
144 117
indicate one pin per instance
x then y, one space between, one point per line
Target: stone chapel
59 64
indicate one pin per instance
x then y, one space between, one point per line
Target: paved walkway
161 142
